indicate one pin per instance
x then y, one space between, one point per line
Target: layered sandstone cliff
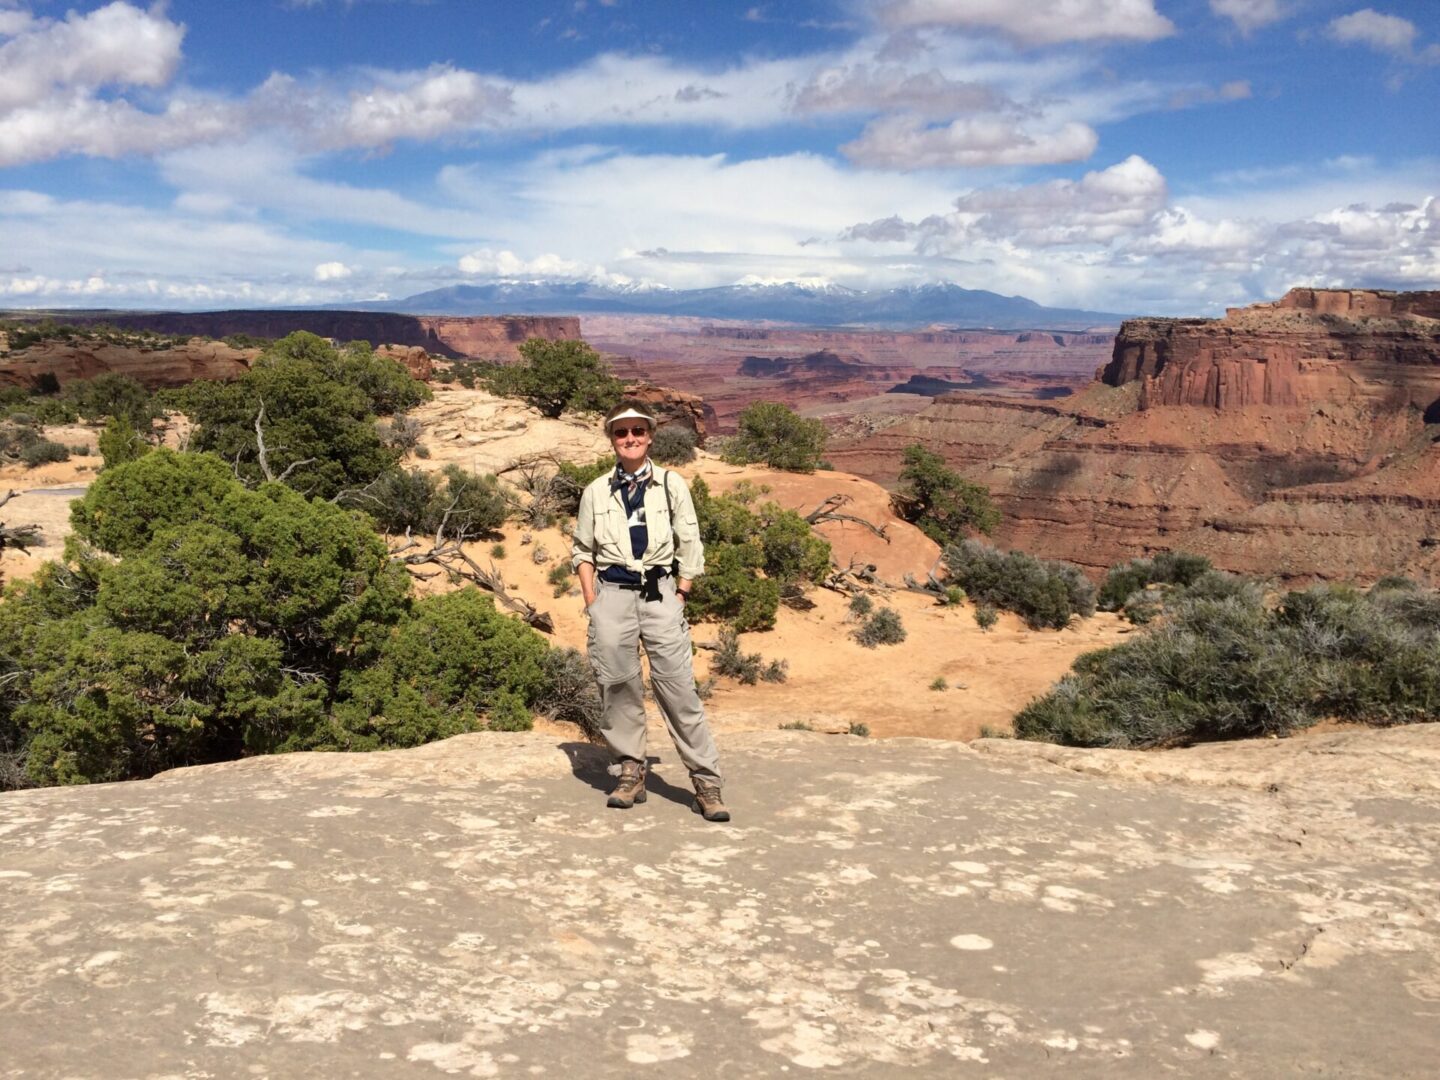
1296 439
68 361
489 337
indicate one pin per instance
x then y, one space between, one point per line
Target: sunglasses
637 432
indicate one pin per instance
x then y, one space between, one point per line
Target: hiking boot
708 801
631 787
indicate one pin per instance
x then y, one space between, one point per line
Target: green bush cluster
464 506
1144 589
943 504
750 556
22 335
121 442
194 619
1042 592
555 376
106 395
43 452
1233 666
320 404
775 435
1167 568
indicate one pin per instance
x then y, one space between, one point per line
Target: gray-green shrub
1232 666
1043 592
674 444
883 627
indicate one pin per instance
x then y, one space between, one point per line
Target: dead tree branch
17 536
829 511
262 453
451 558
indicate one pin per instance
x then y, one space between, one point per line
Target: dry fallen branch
829 511
17 536
451 558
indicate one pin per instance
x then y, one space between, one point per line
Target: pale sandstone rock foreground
904 907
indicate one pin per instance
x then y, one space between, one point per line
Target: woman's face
631 439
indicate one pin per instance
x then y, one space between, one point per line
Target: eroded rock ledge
470 908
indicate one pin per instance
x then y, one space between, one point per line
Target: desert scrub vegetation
748 668
674 444
1043 592
560 578
554 377
23 335
776 436
316 408
940 502
882 627
1235 665
461 505
751 556
195 619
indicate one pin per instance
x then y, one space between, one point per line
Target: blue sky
1164 156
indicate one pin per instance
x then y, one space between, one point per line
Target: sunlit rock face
1294 440
876 907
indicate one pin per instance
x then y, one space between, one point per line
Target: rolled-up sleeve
686 525
582 540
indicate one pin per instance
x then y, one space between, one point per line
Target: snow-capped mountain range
822 304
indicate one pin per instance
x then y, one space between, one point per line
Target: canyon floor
876 908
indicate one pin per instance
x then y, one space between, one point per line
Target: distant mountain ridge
822 305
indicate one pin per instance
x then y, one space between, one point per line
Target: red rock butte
1296 439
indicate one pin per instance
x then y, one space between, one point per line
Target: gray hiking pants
620 621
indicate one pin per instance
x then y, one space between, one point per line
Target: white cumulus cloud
332 271
437 102
1250 15
506 265
1037 22
1387 34
116 45
1099 208
907 142
864 88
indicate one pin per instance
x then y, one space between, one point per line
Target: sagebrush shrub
1232 666
44 452
883 627
732 663
1043 592
674 444
570 693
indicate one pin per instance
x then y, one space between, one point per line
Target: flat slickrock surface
889 908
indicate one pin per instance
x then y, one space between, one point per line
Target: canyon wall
175 366
490 337
1298 440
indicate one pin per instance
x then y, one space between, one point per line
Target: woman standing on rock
637 550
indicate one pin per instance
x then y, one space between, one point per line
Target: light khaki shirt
602 531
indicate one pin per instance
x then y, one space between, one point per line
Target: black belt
648 588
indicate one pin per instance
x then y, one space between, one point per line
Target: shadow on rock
591 764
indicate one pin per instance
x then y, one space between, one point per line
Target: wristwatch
683 594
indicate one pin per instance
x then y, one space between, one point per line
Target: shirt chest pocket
611 526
